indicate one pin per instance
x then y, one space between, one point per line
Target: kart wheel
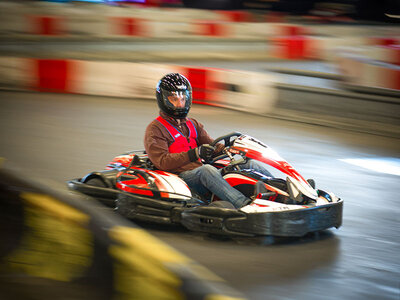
96 182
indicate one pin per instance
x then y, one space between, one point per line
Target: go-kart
290 207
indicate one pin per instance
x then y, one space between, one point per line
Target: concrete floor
58 137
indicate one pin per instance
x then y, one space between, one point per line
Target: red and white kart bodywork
281 207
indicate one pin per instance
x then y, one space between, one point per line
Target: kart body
290 206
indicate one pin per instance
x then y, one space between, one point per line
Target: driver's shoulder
196 123
154 127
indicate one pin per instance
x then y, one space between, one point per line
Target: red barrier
383 41
394 78
292 30
198 79
211 28
291 47
393 53
236 15
53 75
129 26
47 25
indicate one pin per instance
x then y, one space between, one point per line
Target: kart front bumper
291 223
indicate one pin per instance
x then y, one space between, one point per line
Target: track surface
59 137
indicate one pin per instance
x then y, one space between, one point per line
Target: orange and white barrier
245 91
383 41
120 26
236 16
47 25
291 47
72 20
375 71
388 54
127 26
343 30
326 48
101 21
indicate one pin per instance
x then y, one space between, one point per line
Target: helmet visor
177 100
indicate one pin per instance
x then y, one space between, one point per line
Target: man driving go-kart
183 169
178 144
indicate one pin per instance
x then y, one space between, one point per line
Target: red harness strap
181 143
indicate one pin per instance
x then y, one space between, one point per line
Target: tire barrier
58 244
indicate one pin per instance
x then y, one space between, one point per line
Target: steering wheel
228 141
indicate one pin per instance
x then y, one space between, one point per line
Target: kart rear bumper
106 196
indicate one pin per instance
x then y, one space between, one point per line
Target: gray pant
207 179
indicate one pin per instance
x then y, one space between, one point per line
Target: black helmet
174 95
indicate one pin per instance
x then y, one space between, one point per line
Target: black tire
96 182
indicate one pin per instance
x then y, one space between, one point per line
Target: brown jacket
157 141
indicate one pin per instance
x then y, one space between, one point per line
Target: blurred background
316 80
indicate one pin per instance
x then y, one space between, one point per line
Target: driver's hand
204 151
219 148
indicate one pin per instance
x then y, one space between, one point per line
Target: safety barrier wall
59 20
369 101
343 109
44 21
255 93
216 86
66 20
371 67
56 243
130 28
211 86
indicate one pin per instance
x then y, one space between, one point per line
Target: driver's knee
257 166
209 171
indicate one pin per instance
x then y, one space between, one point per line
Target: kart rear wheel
96 182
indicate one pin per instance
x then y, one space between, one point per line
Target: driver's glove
204 151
